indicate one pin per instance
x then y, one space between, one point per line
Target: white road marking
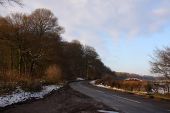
99 91
128 99
121 97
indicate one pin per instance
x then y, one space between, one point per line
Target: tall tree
73 63
90 56
16 35
43 21
43 25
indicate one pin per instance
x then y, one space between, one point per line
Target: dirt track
65 100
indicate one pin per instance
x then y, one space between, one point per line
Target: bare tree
10 1
43 24
161 62
44 21
14 33
90 55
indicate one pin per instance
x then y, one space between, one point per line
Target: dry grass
162 96
10 80
53 74
10 76
133 85
125 84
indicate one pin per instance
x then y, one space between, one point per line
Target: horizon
124 33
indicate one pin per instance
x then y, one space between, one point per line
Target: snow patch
104 111
114 88
19 95
79 79
104 86
93 82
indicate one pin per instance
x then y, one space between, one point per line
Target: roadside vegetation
126 82
128 85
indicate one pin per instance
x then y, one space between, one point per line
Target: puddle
104 111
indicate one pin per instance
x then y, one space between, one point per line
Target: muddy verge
64 100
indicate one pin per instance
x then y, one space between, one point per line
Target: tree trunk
32 67
20 60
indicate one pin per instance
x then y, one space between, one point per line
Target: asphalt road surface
123 102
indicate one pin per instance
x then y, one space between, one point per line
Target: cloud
130 17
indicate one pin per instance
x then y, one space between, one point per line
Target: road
123 102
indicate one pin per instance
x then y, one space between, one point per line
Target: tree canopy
32 44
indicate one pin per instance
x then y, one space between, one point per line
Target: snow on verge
114 88
19 95
93 82
105 86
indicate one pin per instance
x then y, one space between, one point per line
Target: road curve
123 102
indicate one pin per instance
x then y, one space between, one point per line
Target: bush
129 85
10 76
10 80
108 80
31 85
99 81
53 74
148 87
7 87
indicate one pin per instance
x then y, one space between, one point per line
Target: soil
64 100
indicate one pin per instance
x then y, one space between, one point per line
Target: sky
124 32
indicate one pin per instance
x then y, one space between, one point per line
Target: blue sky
123 32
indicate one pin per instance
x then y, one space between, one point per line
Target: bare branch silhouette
19 2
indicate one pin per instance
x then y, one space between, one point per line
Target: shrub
10 76
131 85
148 87
31 85
7 87
10 80
53 74
108 80
99 81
